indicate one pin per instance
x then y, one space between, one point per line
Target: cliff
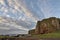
47 26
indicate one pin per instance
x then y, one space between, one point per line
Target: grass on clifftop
49 35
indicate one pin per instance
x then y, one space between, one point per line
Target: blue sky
27 12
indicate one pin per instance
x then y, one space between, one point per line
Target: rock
47 26
37 30
31 31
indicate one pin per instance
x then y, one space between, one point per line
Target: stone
48 25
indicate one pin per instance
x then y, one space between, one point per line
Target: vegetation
31 31
49 35
7 37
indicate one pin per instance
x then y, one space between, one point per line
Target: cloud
24 9
8 25
20 24
2 1
33 8
12 31
17 15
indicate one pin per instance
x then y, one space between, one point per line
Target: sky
19 16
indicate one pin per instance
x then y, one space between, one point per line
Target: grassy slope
49 35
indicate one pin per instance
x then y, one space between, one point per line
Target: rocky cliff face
47 25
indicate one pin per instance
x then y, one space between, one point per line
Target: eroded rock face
47 25
37 30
